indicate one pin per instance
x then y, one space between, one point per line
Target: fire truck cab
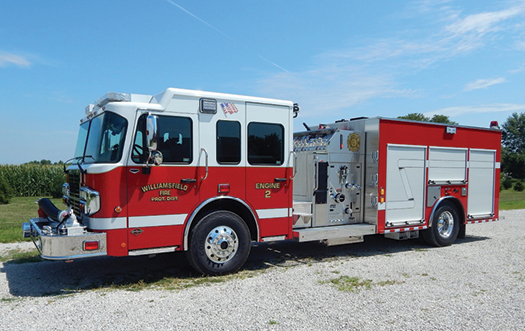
207 173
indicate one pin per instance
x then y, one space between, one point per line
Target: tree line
35 178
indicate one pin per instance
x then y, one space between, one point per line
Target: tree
415 117
513 141
442 119
44 162
422 118
513 133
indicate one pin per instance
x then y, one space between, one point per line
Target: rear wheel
219 243
444 228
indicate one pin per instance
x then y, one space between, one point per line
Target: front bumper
54 246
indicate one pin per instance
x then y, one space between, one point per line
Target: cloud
338 79
331 87
483 84
488 108
7 59
483 23
453 35
470 32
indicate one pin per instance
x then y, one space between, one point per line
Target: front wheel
445 226
219 244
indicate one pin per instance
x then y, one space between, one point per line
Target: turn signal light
91 245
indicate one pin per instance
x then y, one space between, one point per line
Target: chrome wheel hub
445 224
221 244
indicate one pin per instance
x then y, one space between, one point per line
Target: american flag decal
229 108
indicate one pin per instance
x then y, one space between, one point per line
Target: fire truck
208 173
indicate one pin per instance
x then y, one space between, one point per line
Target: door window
265 143
228 142
175 140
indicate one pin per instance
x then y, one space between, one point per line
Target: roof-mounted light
90 109
112 97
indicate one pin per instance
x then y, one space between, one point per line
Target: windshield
101 140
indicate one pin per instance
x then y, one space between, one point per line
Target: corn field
34 180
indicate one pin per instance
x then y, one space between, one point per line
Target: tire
219 244
445 226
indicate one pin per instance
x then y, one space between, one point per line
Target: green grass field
12 216
510 199
20 210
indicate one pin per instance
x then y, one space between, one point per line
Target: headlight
65 193
90 199
65 190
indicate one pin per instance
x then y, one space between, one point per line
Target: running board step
152 251
334 232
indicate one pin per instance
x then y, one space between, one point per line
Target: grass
12 216
350 284
510 199
354 284
18 256
171 283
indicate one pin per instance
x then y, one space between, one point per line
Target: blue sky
337 59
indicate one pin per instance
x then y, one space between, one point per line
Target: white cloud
488 108
7 59
342 78
483 23
331 87
483 84
456 35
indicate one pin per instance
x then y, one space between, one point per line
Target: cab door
221 161
160 197
268 168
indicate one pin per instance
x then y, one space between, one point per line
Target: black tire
219 243
444 228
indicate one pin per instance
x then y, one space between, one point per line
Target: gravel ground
476 284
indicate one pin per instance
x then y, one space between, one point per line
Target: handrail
206 152
294 167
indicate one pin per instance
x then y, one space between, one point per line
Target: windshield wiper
66 163
79 160
80 167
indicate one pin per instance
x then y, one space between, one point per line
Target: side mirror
151 132
155 156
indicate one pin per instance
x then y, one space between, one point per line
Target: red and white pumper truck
208 173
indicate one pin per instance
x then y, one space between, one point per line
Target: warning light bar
494 125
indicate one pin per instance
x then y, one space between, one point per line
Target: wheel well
230 205
454 203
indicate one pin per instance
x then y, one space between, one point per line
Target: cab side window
174 140
139 152
265 143
228 142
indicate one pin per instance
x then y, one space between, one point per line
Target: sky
337 59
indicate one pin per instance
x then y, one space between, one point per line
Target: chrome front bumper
54 246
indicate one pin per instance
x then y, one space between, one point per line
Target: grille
74 191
